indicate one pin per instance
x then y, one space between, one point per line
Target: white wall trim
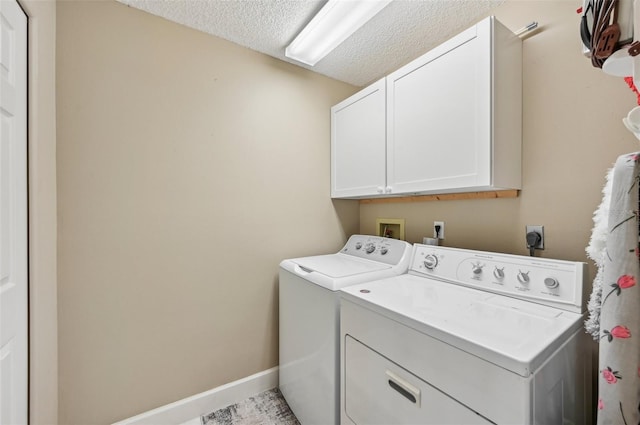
208 401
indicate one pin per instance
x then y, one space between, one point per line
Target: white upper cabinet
453 118
454 115
358 144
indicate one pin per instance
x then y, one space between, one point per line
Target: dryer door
378 391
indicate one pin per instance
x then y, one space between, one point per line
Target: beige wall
572 132
188 168
43 334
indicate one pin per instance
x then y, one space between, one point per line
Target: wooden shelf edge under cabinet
511 193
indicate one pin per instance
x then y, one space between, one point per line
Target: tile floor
266 408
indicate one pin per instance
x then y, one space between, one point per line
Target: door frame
42 210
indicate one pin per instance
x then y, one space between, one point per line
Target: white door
13 214
439 116
358 144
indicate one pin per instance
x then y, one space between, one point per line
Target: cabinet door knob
388 189
379 189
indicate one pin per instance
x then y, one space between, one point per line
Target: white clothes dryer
467 337
309 309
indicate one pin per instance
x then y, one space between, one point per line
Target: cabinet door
358 144
439 117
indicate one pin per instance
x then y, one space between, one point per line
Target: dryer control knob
384 250
477 268
358 245
430 261
523 277
551 283
369 248
499 273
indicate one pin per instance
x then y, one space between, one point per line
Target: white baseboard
208 401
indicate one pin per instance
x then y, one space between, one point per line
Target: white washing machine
467 337
309 370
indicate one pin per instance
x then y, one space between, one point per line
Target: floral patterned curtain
619 365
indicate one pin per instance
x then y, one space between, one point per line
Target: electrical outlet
440 234
539 230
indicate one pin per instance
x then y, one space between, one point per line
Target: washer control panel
386 250
552 282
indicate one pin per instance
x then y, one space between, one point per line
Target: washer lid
514 334
337 266
337 271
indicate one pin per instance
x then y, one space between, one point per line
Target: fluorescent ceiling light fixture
333 24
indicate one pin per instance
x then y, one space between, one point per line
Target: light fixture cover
333 24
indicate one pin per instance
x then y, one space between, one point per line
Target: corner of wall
43 331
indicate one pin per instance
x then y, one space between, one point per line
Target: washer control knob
523 277
369 248
358 245
499 273
551 283
430 261
384 250
477 268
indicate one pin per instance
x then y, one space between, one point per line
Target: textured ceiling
402 31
